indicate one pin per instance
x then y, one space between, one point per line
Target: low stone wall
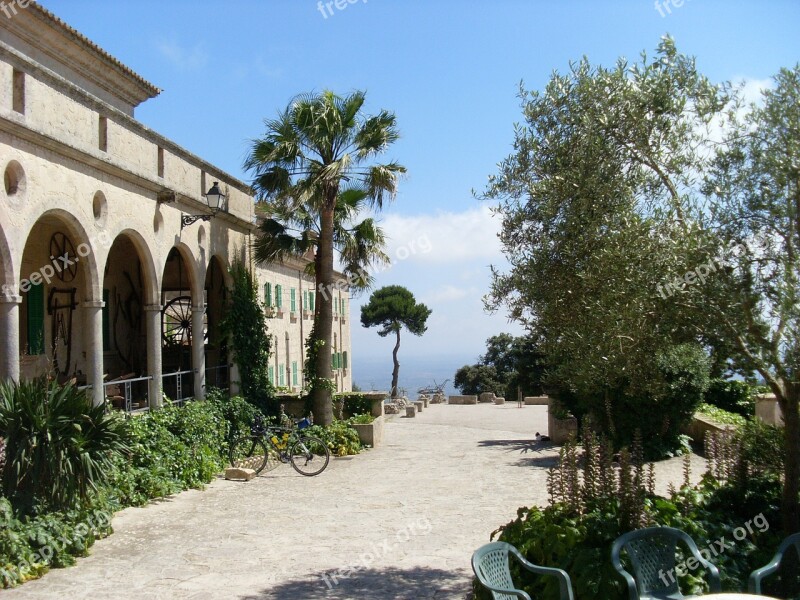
560 430
701 424
294 406
462 400
537 400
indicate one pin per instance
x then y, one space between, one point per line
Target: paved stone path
407 515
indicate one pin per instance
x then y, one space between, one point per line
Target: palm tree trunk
396 370
323 318
790 511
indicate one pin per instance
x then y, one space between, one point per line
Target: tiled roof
85 41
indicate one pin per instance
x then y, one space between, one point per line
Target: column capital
153 308
10 299
93 304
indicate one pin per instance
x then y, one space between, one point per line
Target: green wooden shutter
312 297
344 360
341 305
36 319
281 376
293 300
294 373
106 323
305 300
272 375
278 296
268 294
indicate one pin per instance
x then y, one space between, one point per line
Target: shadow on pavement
531 452
379 584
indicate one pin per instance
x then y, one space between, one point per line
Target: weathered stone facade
98 278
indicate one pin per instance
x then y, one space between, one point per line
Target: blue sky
448 69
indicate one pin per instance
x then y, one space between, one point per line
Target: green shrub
733 396
350 404
364 419
721 415
58 446
341 439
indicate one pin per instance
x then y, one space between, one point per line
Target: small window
102 132
18 93
268 295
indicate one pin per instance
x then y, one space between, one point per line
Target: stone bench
462 400
411 411
537 400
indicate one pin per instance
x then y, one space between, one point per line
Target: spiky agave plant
59 446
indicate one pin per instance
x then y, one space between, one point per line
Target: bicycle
266 447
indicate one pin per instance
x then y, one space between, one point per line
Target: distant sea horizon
373 373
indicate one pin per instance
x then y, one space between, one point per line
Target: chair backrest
652 555
490 563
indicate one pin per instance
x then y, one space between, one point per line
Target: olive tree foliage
598 202
754 185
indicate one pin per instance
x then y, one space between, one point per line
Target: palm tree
314 157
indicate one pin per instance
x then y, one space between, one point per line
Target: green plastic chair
754 583
652 555
490 564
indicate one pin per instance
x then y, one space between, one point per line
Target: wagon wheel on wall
63 256
176 319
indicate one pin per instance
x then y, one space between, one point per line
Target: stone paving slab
401 521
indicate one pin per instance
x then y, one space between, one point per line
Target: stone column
154 367
9 337
93 342
198 352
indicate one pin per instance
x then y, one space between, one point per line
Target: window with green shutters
279 297
333 361
36 319
335 306
281 376
293 300
106 323
312 300
341 305
268 294
295 380
305 300
271 375
344 360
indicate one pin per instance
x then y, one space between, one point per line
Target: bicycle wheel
309 456
250 452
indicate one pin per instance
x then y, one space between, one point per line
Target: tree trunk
323 317
396 371
790 511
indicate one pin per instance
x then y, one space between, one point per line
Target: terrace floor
402 520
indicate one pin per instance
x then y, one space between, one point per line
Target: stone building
104 273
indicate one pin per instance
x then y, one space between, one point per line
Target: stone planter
419 404
559 429
411 411
768 410
370 434
425 402
486 397
499 400
701 424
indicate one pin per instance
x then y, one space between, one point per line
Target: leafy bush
733 396
658 409
350 404
364 419
58 446
721 415
341 439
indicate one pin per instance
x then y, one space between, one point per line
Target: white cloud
444 237
446 293
184 59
